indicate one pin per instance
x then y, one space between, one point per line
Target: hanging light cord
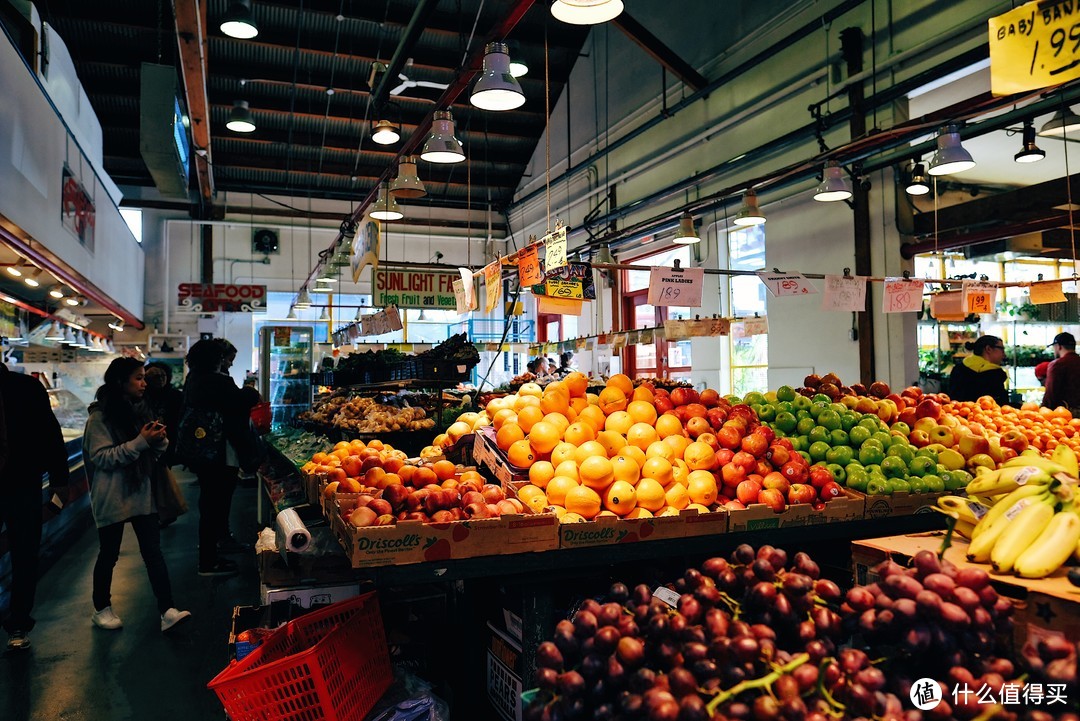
1068 188
547 130
329 97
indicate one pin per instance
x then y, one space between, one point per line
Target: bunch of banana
963 511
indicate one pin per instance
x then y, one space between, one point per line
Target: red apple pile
432 503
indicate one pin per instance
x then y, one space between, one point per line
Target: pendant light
1030 152
57 292
326 274
407 184
386 207
54 332
518 68
325 315
586 12
441 146
603 255
359 314
303 299
834 184
686 234
950 156
385 133
32 279
17 269
321 286
292 313
749 214
117 325
240 118
69 336
238 21
74 300
919 183
496 88
1064 122
96 346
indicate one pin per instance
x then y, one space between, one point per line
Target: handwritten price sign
564 289
461 297
785 284
676 287
492 284
529 267
1042 293
555 249
902 295
844 293
979 296
1034 47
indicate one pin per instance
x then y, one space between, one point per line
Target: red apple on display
819 476
812 381
901 404
663 404
755 444
696 410
858 389
971 445
795 472
772 498
695 426
729 436
776 481
745 412
879 389
801 493
866 405
924 425
745 461
1015 440
732 474
682 396
763 468
734 506
381 507
928 408
710 398
942 435
887 411
724 456
710 440
716 417
747 492
830 490
778 455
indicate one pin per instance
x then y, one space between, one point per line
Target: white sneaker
105 618
172 617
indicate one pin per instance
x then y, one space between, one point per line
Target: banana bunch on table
1024 517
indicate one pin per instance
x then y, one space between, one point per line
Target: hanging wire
1068 189
329 97
547 129
367 106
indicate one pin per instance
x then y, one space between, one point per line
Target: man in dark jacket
36 446
1063 376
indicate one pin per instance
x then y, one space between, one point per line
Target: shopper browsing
1063 375
121 447
980 374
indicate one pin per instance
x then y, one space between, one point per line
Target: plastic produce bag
409 698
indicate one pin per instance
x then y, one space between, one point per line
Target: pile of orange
1044 428
605 455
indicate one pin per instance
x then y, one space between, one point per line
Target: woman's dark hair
533 365
114 404
226 346
164 369
983 342
205 355
565 358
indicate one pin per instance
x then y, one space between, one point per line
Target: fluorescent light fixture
385 207
303 300
834 184
32 279
919 183
749 214
240 118
407 184
385 133
441 146
496 88
238 21
686 234
586 12
17 269
1064 122
1030 152
54 332
950 156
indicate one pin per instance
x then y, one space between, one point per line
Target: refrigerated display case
285 358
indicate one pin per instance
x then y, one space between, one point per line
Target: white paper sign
979 296
394 317
555 250
461 298
784 284
902 295
470 291
844 293
676 286
756 326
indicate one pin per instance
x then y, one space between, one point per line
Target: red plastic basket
331 664
261 416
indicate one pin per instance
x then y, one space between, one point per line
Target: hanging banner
1043 293
227 297
844 293
414 289
365 248
902 295
784 284
676 286
979 296
555 249
1034 46
529 267
558 306
492 284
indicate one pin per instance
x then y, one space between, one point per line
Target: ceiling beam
191 42
389 77
658 51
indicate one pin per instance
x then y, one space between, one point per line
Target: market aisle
79 672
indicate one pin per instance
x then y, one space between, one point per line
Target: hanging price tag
756 326
555 249
529 267
470 290
461 297
676 286
492 284
947 306
367 326
618 341
602 339
979 296
1042 293
394 317
645 337
579 345
784 284
1033 46
676 330
558 306
902 295
564 289
633 338
844 293
590 343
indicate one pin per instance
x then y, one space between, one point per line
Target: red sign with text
212 297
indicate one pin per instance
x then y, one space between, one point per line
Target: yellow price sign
564 289
1034 46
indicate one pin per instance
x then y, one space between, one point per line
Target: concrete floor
77 672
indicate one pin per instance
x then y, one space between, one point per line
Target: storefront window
661 358
749 356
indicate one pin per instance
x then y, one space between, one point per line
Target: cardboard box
489 456
758 516
504 674
416 542
311 595
313 485
605 530
296 569
900 504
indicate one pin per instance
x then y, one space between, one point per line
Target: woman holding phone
121 446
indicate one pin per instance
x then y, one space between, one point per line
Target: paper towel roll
292 534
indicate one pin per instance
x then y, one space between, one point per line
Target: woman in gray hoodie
120 446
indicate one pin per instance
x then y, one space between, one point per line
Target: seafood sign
213 297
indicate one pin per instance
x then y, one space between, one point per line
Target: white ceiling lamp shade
325 315
292 313
496 88
919 184
69 336
834 185
117 325
407 184
1064 122
303 299
385 207
74 300
96 345
17 269
238 21
33 279
57 292
750 213
55 332
950 157
385 133
321 286
240 118
603 255
686 234
586 12
1030 152
326 274
441 146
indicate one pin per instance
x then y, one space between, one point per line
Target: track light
292 313
441 146
1030 152
407 184
749 214
17 269
686 234
240 118
238 21
586 12
385 133
54 332
1064 122
303 299
32 279
74 300
919 184
950 156
117 325
834 184
386 207
57 292
496 88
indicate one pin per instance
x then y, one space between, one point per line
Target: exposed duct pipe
960 239
412 33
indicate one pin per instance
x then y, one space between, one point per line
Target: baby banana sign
1034 46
